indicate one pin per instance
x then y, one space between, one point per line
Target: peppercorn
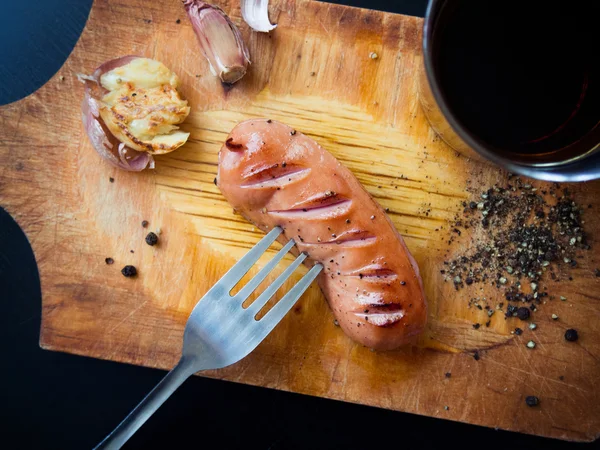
532 401
151 238
571 335
523 313
129 271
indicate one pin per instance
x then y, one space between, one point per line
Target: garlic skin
220 40
256 14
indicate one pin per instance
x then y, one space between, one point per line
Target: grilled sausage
275 176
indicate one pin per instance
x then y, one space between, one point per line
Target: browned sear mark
232 145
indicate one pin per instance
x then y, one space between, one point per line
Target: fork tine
272 288
236 273
274 316
260 276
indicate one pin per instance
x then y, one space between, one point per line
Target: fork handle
142 412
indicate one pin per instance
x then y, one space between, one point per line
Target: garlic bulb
102 140
220 40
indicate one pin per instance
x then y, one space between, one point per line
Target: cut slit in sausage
371 281
274 177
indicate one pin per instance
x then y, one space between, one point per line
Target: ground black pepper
518 331
447 374
111 179
571 335
109 261
510 310
476 355
144 223
532 400
521 237
151 238
129 271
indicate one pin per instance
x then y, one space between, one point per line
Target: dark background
57 401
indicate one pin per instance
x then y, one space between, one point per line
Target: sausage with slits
275 176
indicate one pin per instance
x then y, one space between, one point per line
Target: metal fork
220 332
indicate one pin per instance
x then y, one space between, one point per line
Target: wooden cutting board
314 72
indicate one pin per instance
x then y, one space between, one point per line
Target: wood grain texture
314 73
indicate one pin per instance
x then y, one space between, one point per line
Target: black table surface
52 400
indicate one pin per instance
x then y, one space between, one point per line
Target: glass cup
516 83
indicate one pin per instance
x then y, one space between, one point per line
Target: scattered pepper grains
144 223
523 239
111 179
109 261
